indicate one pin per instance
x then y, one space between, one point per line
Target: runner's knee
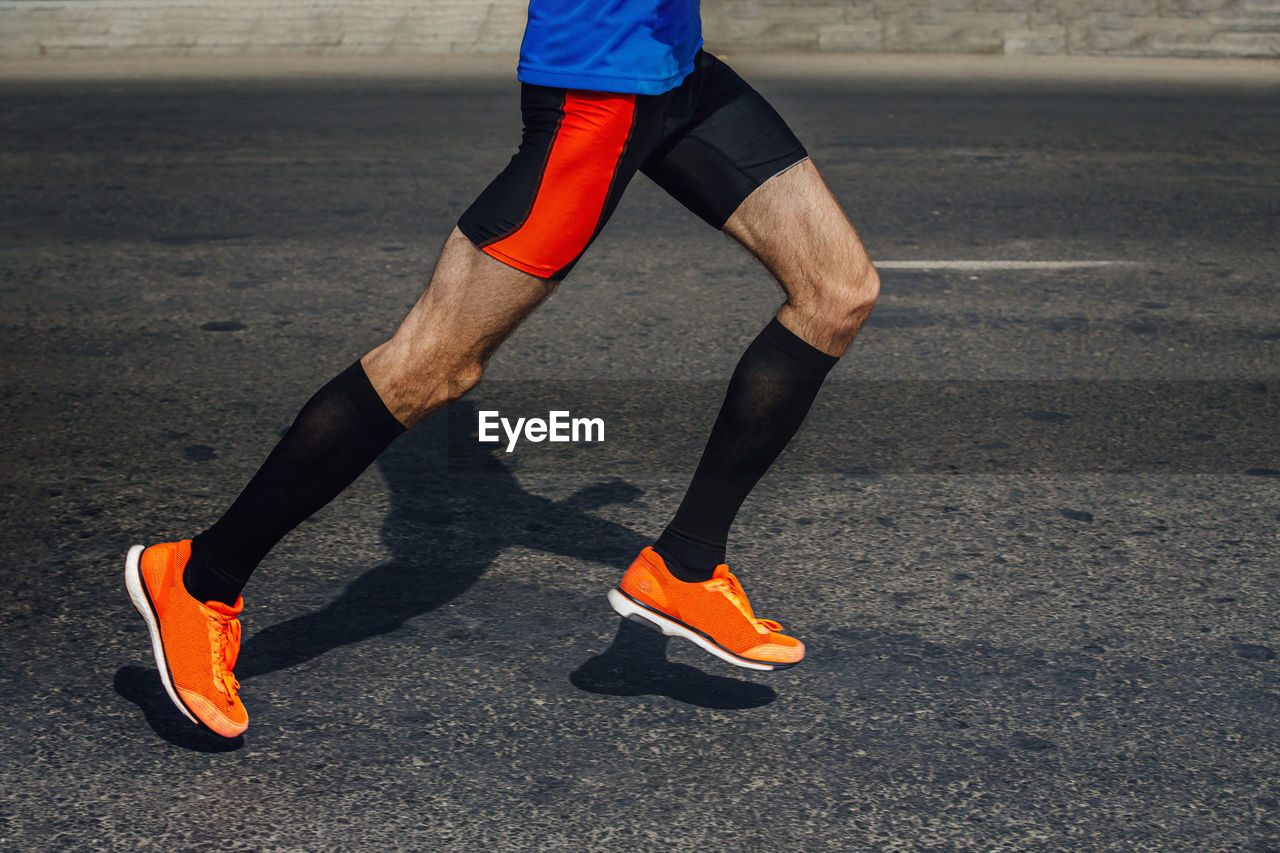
413 387
464 377
843 298
429 387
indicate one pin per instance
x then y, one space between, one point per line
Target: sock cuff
365 398
798 348
206 578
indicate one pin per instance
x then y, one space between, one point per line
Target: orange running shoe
195 644
714 614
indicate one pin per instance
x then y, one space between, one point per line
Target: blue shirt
645 47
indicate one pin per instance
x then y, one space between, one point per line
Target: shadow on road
454 508
636 665
141 686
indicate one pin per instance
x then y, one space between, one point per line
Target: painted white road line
971 266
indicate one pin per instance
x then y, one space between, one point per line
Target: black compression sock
768 397
337 434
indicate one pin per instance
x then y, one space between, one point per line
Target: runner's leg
438 354
739 167
792 224
192 616
796 228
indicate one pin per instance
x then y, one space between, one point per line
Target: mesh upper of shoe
719 607
201 641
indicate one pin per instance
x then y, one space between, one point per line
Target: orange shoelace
225 632
729 585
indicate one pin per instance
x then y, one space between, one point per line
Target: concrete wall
102 28
81 28
1220 28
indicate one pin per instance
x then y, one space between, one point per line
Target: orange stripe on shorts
575 184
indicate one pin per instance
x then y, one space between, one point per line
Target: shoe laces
728 585
225 633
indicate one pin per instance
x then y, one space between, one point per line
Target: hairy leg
796 228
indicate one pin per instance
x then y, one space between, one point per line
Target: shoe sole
142 602
628 608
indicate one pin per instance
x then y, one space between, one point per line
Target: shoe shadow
142 687
454 508
635 664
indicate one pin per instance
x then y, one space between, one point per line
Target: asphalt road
1029 534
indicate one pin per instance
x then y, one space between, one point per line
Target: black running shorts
710 142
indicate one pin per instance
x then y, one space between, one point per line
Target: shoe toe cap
778 649
231 722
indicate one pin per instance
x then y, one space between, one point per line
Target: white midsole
627 608
133 583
